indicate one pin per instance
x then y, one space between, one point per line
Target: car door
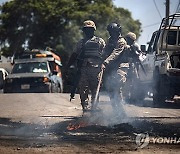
148 62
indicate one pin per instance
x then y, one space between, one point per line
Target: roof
34 60
39 54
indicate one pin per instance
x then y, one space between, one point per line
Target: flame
77 125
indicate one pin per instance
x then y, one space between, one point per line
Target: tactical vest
91 49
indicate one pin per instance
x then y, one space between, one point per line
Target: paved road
36 108
37 120
52 108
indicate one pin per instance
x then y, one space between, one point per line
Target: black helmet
114 27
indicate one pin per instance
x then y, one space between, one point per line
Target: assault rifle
136 59
79 61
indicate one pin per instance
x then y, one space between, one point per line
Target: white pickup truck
162 62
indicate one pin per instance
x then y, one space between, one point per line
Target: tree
57 23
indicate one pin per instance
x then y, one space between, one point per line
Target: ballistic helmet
114 27
131 35
89 23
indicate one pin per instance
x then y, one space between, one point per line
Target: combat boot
84 106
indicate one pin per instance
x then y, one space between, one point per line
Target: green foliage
57 23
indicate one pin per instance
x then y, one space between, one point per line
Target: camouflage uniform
130 92
116 69
89 53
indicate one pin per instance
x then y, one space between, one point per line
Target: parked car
39 74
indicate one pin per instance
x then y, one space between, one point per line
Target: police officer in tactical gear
131 41
133 81
114 31
116 66
136 52
88 54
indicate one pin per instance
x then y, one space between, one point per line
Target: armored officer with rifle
133 82
88 55
134 57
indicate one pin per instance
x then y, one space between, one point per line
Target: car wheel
159 89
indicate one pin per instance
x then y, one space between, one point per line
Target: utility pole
167 11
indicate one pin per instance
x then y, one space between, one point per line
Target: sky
2 1
148 12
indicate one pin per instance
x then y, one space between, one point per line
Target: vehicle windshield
32 67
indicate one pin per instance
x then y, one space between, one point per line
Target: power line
178 8
151 25
157 9
177 11
175 8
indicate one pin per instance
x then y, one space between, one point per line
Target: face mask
114 34
89 32
129 41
